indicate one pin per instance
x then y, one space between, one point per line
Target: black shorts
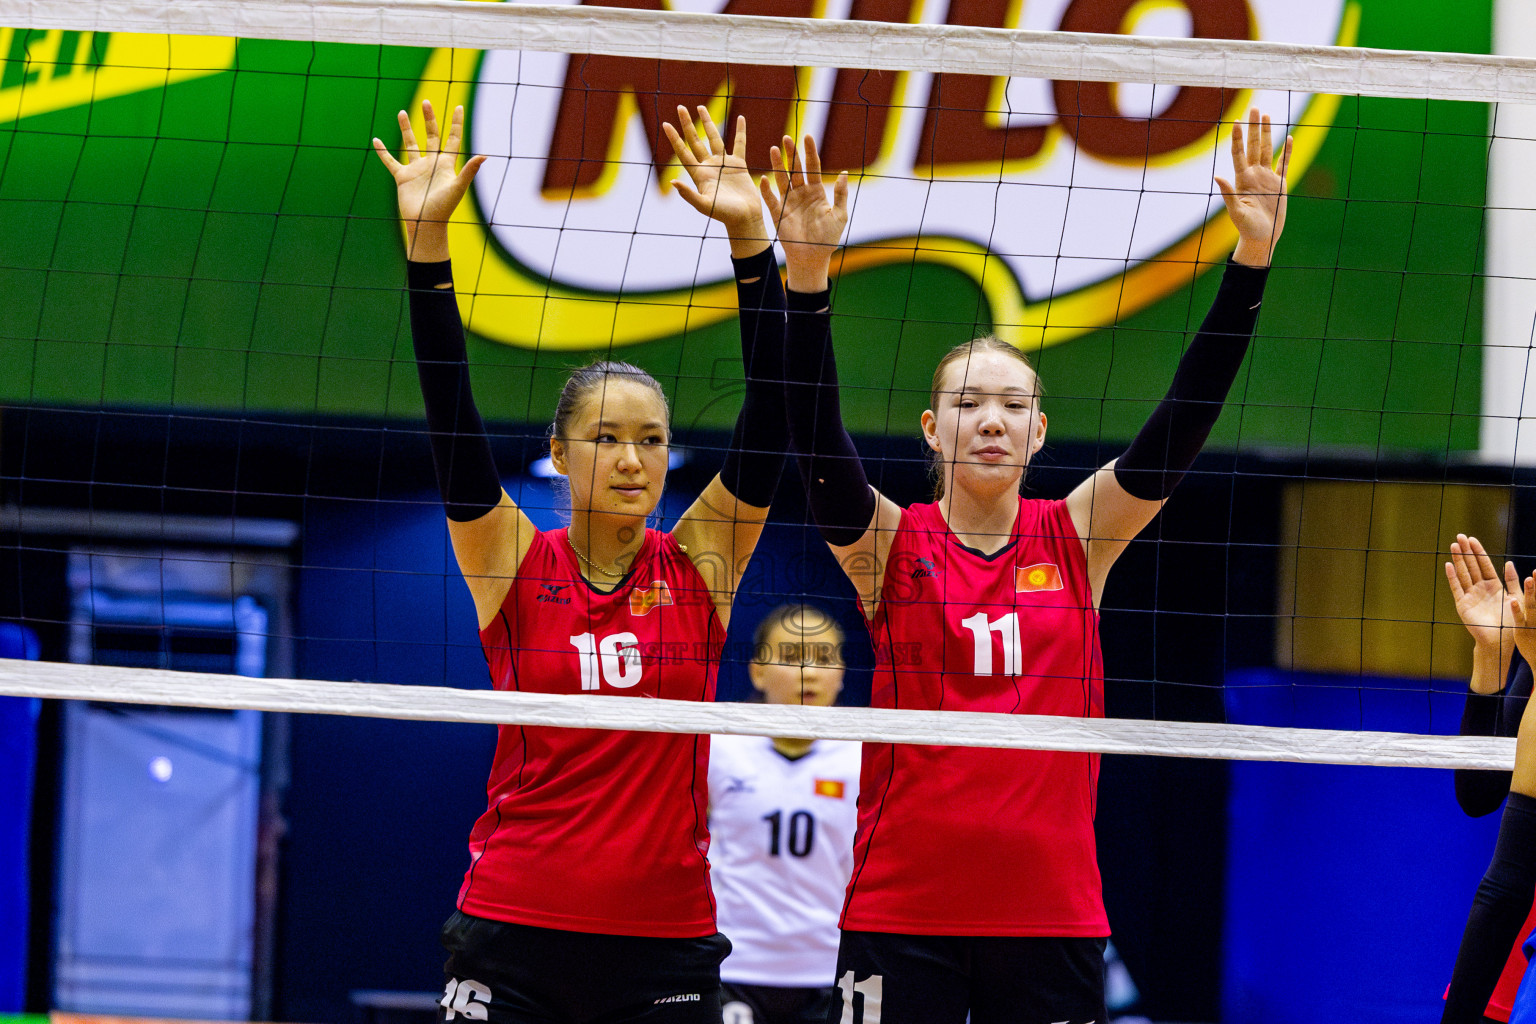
504 973
939 979
774 1004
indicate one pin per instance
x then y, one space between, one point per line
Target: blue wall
378 811
18 756
1347 887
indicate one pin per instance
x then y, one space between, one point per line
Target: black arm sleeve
1502 902
835 483
461 451
755 459
1480 791
1163 451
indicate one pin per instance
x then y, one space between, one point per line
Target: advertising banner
199 223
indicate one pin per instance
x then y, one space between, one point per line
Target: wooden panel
1361 584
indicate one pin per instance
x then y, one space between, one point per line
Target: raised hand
722 187
810 227
1485 601
1522 608
1255 196
428 185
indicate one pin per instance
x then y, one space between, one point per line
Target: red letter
587 126
1087 109
861 99
956 131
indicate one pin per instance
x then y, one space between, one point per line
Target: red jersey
1503 1002
594 830
968 840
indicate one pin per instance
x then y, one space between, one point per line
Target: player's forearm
1165 448
836 486
426 241
461 451
755 459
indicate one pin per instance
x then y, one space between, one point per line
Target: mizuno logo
551 593
687 997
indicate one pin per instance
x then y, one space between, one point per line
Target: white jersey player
783 813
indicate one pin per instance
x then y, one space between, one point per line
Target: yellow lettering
44 72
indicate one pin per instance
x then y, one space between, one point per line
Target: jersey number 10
802 832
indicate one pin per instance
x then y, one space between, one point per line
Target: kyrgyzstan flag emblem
830 787
655 596
1041 576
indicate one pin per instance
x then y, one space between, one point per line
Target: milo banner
199 224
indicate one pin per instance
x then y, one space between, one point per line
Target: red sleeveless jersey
593 830
968 840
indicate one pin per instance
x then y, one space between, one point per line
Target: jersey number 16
615 659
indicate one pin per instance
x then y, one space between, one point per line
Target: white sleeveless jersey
780 854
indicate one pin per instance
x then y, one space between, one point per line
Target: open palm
1255 196
809 225
428 185
1482 596
721 185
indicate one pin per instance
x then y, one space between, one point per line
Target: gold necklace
591 564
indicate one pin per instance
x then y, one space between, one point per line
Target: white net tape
681 35
675 35
949 728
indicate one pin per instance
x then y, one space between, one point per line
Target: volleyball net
210 394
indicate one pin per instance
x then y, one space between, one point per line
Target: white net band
741 39
877 725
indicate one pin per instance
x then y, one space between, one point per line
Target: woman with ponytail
587 895
975 887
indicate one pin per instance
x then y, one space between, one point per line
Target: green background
228 243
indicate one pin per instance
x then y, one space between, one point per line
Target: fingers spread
690 196
812 162
792 164
455 131
780 170
429 120
390 163
739 143
407 135
471 168
679 147
769 198
690 134
716 143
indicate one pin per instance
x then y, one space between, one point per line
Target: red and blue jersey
967 840
595 830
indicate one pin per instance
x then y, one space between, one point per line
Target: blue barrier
18 755
1347 887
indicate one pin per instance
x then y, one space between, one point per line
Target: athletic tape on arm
955 728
